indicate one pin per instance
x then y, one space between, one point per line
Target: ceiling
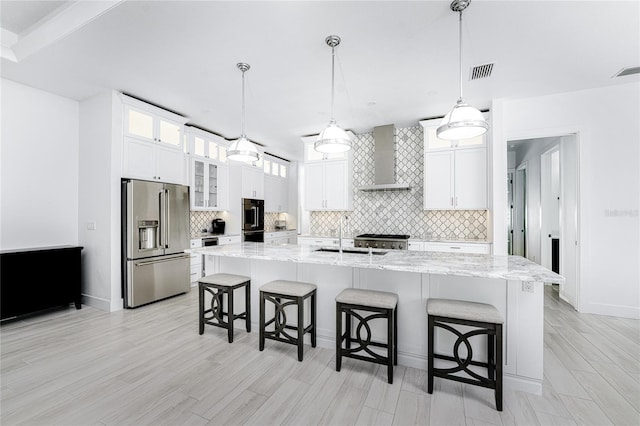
397 63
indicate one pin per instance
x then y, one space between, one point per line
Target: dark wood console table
36 279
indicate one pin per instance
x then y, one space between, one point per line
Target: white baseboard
96 302
632 312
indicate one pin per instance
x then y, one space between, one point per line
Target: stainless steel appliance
217 226
155 233
382 241
253 219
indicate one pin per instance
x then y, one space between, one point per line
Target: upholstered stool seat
295 293
377 304
219 285
484 319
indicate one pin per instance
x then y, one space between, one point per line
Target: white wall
39 168
99 199
606 121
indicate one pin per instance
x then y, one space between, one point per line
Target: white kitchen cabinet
454 247
319 241
205 145
276 194
153 143
152 124
280 237
328 186
209 185
151 161
196 262
455 179
229 239
252 182
415 246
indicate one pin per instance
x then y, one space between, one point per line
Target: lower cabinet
319 241
280 237
196 263
478 248
231 239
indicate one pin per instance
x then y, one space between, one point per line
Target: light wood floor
150 366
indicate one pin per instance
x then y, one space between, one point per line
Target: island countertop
469 265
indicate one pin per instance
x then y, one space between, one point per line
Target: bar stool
295 293
217 285
381 305
486 320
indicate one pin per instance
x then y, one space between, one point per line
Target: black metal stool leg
499 367
230 316
261 339
430 351
390 346
313 319
201 308
247 295
338 336
347 329
395 336
300 301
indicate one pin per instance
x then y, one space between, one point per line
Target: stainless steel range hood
384 161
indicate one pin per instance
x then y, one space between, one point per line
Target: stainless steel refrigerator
155 233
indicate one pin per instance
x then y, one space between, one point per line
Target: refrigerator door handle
255 216
151 262
167 217
163 236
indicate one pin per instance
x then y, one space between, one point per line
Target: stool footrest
381 360
490 384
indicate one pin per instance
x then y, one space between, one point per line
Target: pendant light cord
333 56
243 135
460 52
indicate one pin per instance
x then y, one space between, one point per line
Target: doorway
545 214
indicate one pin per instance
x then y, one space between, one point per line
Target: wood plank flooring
150 366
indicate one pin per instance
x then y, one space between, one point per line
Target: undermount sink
335 250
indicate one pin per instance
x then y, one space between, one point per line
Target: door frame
578 132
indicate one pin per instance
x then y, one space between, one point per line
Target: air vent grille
481 71
627 71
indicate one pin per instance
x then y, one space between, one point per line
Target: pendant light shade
242 149
332 138
463 121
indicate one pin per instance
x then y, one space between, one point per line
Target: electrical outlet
527 286
91 226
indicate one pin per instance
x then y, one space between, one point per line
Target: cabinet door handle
451 201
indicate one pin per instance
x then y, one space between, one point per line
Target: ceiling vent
481 71
627 71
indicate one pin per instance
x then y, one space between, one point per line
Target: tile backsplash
201 220
398 212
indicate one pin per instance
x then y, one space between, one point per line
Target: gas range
382 241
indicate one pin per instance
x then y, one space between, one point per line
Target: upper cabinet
252 181
153 143
455 172
276 184
328 179
209 170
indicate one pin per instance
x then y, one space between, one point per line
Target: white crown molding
52 28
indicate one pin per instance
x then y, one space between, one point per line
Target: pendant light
242 149
332 138
463 121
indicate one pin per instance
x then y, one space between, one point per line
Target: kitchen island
513 284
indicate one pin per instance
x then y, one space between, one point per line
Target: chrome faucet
345 217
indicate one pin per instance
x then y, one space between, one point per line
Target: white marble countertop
470 265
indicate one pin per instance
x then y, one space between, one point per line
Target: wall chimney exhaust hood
384 161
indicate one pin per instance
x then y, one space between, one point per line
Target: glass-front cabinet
209 183
209 170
